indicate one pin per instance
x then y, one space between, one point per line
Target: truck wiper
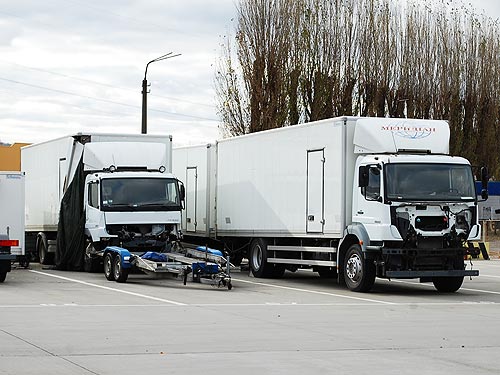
157 203
133 205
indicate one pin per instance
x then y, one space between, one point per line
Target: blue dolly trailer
201 264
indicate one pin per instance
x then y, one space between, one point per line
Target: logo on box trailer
410 132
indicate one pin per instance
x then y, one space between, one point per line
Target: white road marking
110 289
293 304
315 292
432 286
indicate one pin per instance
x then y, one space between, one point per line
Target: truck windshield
140 194
429 182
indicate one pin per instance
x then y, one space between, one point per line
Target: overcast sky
69 66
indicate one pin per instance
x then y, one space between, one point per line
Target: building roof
10 157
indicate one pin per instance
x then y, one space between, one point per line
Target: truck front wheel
448 284
359 273
91 263
109 272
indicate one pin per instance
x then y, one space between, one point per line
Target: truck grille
431 223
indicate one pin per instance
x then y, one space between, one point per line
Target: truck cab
413 210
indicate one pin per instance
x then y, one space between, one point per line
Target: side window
372 190
93 197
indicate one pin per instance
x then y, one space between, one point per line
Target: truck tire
109 265
120 273
447 284
3 275
258 259
359 273
42 246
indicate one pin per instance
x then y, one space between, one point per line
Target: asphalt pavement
55 322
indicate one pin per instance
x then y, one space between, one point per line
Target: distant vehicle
89 191
11 221
350 197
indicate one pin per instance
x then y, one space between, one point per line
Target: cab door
92 204
369 209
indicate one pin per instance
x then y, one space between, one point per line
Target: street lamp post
144 128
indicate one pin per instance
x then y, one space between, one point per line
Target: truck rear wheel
42 246
3 275
109 272
258 259
120 273
359 273
447 284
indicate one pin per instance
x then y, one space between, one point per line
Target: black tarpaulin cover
70 230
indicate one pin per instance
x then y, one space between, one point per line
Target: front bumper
423 263
425 274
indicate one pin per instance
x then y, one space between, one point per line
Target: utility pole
144 128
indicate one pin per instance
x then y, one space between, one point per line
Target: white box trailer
353 195
11 220
116 177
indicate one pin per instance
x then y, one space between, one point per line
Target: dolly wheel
120 273
109 267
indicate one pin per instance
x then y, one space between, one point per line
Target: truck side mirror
364 176
182 191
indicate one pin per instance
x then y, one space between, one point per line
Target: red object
11 243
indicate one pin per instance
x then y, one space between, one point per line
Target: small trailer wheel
109 267
120 273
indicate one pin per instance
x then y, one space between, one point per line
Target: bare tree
305 60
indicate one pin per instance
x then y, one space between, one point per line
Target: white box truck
11 221
88 191
354 198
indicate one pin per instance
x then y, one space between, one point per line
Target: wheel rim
107 265
354 268
257 257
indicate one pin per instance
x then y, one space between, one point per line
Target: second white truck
353 198
89 191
